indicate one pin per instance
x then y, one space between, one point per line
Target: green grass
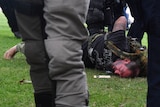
112 92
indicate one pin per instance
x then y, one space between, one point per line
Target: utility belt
29 8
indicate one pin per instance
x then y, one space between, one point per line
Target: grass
112 92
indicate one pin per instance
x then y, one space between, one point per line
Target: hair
134 68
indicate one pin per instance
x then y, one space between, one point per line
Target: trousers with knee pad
71 87
32 29
66 33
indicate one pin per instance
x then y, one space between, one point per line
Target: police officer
53 32
152 24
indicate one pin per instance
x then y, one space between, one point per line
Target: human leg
136 30
153 76
31 27
66 33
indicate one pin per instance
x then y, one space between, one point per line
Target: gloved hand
125 68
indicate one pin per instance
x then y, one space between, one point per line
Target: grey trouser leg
32 34
66 33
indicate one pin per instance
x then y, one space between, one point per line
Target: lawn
111 92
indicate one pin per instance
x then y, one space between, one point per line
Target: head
126 68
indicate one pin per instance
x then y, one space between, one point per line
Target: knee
35 52
120 24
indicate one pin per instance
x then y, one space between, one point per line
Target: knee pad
35 52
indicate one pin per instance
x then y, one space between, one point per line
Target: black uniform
152 24
9 12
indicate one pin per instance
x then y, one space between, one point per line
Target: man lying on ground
116 53
109 52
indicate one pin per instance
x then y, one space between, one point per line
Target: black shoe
43 99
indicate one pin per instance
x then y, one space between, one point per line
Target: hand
9 54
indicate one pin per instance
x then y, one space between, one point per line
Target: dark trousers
32 28
137 27
136 30
153 96
9 12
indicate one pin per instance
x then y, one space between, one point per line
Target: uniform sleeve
20 47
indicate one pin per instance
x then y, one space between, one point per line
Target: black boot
43 99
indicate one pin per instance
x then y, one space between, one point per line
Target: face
125 68
123 72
